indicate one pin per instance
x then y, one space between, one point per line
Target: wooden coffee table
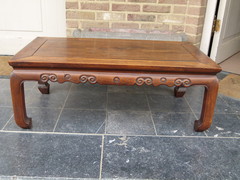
113 62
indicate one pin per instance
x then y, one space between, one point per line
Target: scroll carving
88 78
50 77
179 81
116 80
182 82
141 80
67 76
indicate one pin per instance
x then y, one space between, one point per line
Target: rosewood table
113 62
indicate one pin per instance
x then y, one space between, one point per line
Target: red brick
198 2
195 30
172 1
140 17
125 7
125 26
72 24
197 11
194 20
177 28
161 27
179 9
95 6
80 15
145 1
180 2
165 1
158 9
172 19
89 24
71 5
110 16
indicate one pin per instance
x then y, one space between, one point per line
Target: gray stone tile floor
83 131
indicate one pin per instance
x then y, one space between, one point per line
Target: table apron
115 78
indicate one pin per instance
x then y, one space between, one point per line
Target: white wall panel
23 20
20 15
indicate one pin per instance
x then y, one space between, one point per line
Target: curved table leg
43 87
209 101
18 100
179 91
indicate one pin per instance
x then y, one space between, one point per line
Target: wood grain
113 62
112 54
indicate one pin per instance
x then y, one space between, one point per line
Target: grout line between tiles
85 109
34 85
6 106
42 108
151 115
190 108
62 108
8 121
193 113
100 127
106 120
91 134
101 160
42 178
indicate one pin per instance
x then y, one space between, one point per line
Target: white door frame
220 15
207 27
53 24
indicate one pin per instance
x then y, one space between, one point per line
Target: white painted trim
207 27
217 35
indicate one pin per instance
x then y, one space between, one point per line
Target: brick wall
175 16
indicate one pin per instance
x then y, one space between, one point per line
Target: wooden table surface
112 54
113 62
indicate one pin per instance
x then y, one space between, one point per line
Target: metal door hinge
216 25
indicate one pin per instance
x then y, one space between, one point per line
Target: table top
114 54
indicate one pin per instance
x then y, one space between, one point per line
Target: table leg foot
27 123
179 91
18 100
43 87
199 126
209 101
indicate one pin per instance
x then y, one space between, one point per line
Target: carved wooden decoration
50 77
86 78
116 80
144 80
67 76
113 62
163 80
183 82
43 87
179 91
